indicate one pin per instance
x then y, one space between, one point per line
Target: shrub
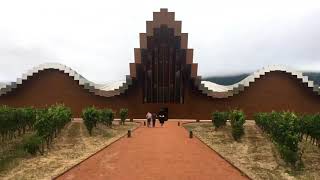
19 118
6 122
315 130
14 120
32 144
50 121
284 129
43 125
60 116
219 119
46 123
310 127
30 117
123 115
107 116
90 117
288 155
237 120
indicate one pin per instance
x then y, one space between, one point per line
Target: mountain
229 80
313 76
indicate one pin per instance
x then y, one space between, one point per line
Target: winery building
163 75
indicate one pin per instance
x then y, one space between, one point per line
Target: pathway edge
194 135
78 163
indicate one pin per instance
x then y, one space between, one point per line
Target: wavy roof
116 88
220 91
106 90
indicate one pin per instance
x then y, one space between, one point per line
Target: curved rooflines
106 90
219 91
118 87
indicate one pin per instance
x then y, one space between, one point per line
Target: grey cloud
294 44
15 60
97 39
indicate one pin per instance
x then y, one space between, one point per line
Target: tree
90 117
219 119
123 115
237 120
107 117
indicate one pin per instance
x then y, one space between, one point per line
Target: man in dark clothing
162 117
154 118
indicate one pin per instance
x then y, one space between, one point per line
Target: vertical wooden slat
166 60
169 73
163 75
157 73
181 86
145 82
175 76
151 78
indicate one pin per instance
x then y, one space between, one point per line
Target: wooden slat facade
164 63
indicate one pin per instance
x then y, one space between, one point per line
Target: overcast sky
97 38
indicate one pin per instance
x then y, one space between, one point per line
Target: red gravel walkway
157 154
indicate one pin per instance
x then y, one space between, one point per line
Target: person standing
154 118
149 117
162 117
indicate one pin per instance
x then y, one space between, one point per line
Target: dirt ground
70 147
255 154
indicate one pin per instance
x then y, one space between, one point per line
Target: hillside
229 80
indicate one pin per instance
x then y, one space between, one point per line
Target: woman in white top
149 117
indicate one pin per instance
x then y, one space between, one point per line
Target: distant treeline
229 80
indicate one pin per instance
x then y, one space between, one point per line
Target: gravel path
158 153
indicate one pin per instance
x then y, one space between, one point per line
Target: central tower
164 60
